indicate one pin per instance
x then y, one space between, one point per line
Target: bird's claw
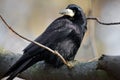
70 65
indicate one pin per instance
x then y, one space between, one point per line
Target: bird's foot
70 65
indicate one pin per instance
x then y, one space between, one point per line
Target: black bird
64 35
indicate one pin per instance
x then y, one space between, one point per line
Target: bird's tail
18 70
16 65
23 67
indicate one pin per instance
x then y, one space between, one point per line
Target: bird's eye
74 11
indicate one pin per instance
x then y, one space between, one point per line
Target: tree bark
106 68
110 64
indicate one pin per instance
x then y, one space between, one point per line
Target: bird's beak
68 12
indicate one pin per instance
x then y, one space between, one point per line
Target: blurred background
31 17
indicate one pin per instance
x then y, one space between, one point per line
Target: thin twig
114 23
36 43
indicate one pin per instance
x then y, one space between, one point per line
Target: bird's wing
56 31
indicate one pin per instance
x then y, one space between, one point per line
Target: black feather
65 35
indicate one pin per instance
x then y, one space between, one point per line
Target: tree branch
110 64
36 43
103 23
43 71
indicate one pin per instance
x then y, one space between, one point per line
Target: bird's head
75 13
72 10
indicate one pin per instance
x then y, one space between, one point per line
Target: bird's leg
68 64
